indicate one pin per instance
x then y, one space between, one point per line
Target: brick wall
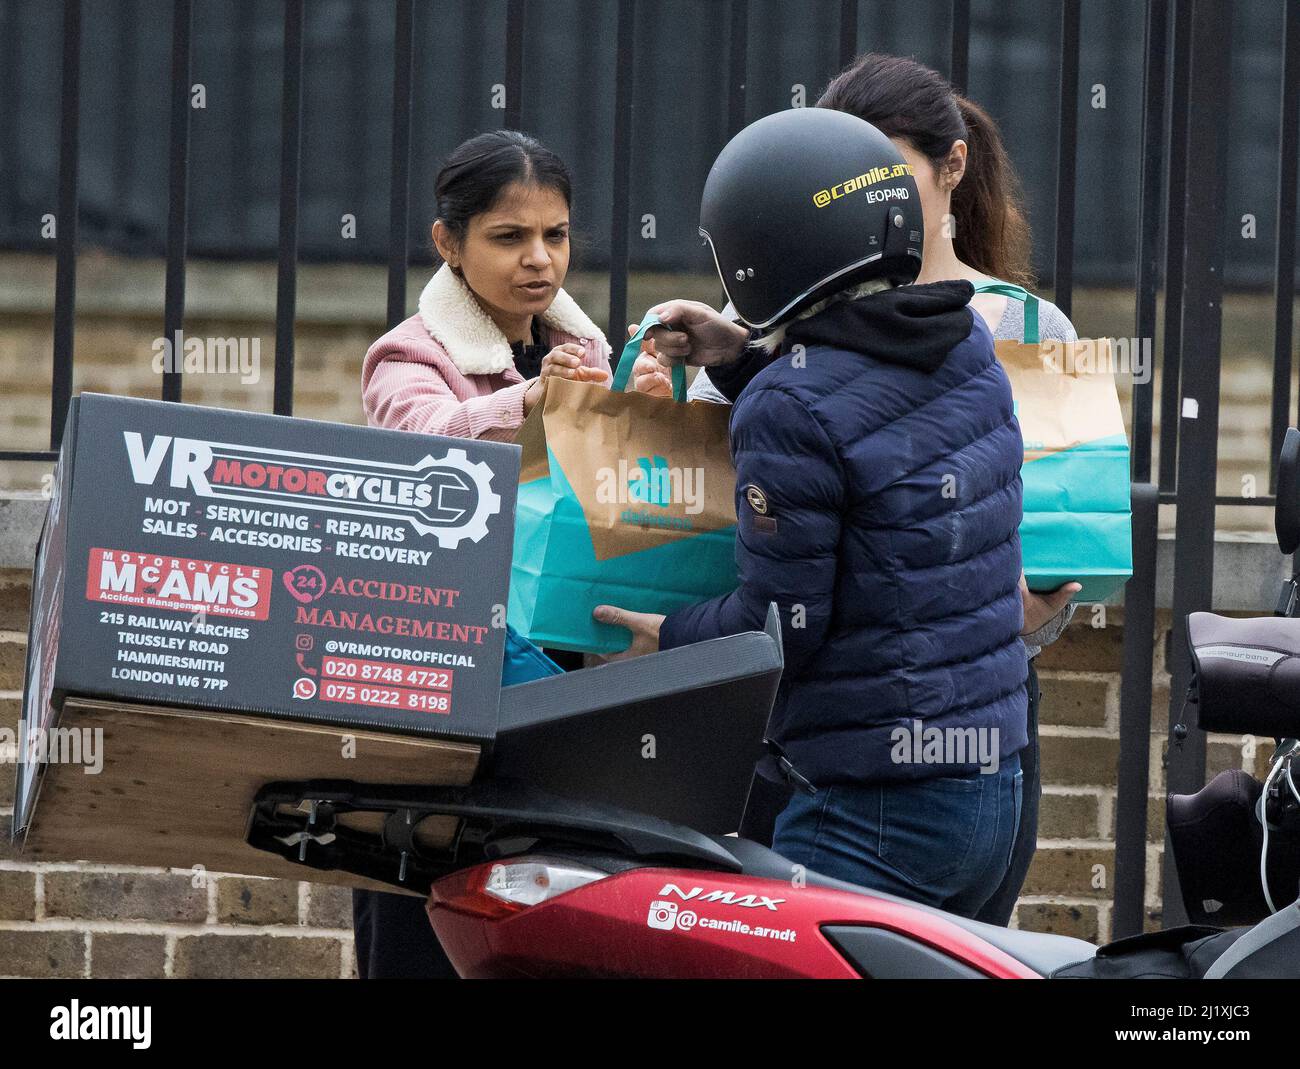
70 920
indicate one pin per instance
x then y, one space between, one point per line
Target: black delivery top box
288 567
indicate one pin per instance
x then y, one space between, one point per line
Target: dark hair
479 170
906 99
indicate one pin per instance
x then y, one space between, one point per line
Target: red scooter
576 914
534 885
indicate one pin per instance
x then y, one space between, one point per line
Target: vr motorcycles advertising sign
292 568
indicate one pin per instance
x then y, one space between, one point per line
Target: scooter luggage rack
301 822
568 765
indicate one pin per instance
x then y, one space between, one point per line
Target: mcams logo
449 498
877 174
182 584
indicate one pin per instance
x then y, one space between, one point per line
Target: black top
528 358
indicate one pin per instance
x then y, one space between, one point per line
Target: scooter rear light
506 887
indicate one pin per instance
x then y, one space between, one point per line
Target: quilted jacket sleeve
405 394
787 546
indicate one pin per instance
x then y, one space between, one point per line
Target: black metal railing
65 279
399 195
1187 51
1140 594
178 188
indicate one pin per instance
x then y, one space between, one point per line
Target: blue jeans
944 841
999 908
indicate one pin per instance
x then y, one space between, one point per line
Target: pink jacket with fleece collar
449 370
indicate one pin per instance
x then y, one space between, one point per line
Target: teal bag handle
1017 293
630 352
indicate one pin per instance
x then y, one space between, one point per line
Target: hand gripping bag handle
630 352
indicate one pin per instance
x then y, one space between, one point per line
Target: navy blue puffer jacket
878 500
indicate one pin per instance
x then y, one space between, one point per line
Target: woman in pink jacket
492 325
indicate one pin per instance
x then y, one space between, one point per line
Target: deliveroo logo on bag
652 481
652 485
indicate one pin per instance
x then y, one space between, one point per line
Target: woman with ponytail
975 229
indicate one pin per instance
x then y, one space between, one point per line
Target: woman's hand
643 625
1039 608
696 334
564 362
648 375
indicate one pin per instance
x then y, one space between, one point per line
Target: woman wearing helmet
878 500
976 230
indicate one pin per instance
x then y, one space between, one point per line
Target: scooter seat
1041 951
1247 679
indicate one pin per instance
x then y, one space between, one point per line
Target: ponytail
992 234
906 99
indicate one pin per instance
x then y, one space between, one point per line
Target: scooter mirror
1286 512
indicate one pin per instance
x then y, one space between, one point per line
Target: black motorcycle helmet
803 204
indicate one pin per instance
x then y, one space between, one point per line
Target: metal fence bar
360 32
738 72
959 64
848 32
65 271
1148 254
622 179
738 65
1284 256
10 78
1066 157
1140 591
126 54
1266 501
1135 719
1175 239
30 454
1262 501
244 162
178 193
399 189
286 294
515 14
1198 437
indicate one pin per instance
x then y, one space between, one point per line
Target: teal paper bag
1077 523
625 500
